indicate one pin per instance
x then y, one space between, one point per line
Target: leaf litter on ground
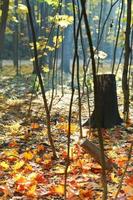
27 169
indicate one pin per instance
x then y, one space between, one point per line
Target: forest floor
27 168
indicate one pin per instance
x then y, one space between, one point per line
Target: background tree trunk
68 43
5 6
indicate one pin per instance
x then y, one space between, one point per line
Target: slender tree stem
104 181
125 84
124 173
117 37
41 81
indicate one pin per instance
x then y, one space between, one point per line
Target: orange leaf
87 193
64 154
128 190
40 148
130 198
40 179
12 144
96 170
35 126
20 179
129 123
21 188
129 181
47 164
122 161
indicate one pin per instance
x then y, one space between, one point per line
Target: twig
117 37
124 173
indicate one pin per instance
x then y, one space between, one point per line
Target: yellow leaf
59 169
59 189
64 127
32 191
22 8
32 176
114 178
28 155
18 165
11 152
38 160
45 68
4 165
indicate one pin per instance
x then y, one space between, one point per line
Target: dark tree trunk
3 20
105 114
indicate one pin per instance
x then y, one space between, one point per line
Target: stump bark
105 114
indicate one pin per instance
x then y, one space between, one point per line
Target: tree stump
105 114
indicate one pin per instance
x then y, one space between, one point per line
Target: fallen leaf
129 181
121 161
128 189
35 126
18 165
96 170
64 127
21 188
40 148
4 165
12 144
28 168
86 194
32 191
32 176
59 189
41 179
114 178
28 155
59 169
19 179
5 191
